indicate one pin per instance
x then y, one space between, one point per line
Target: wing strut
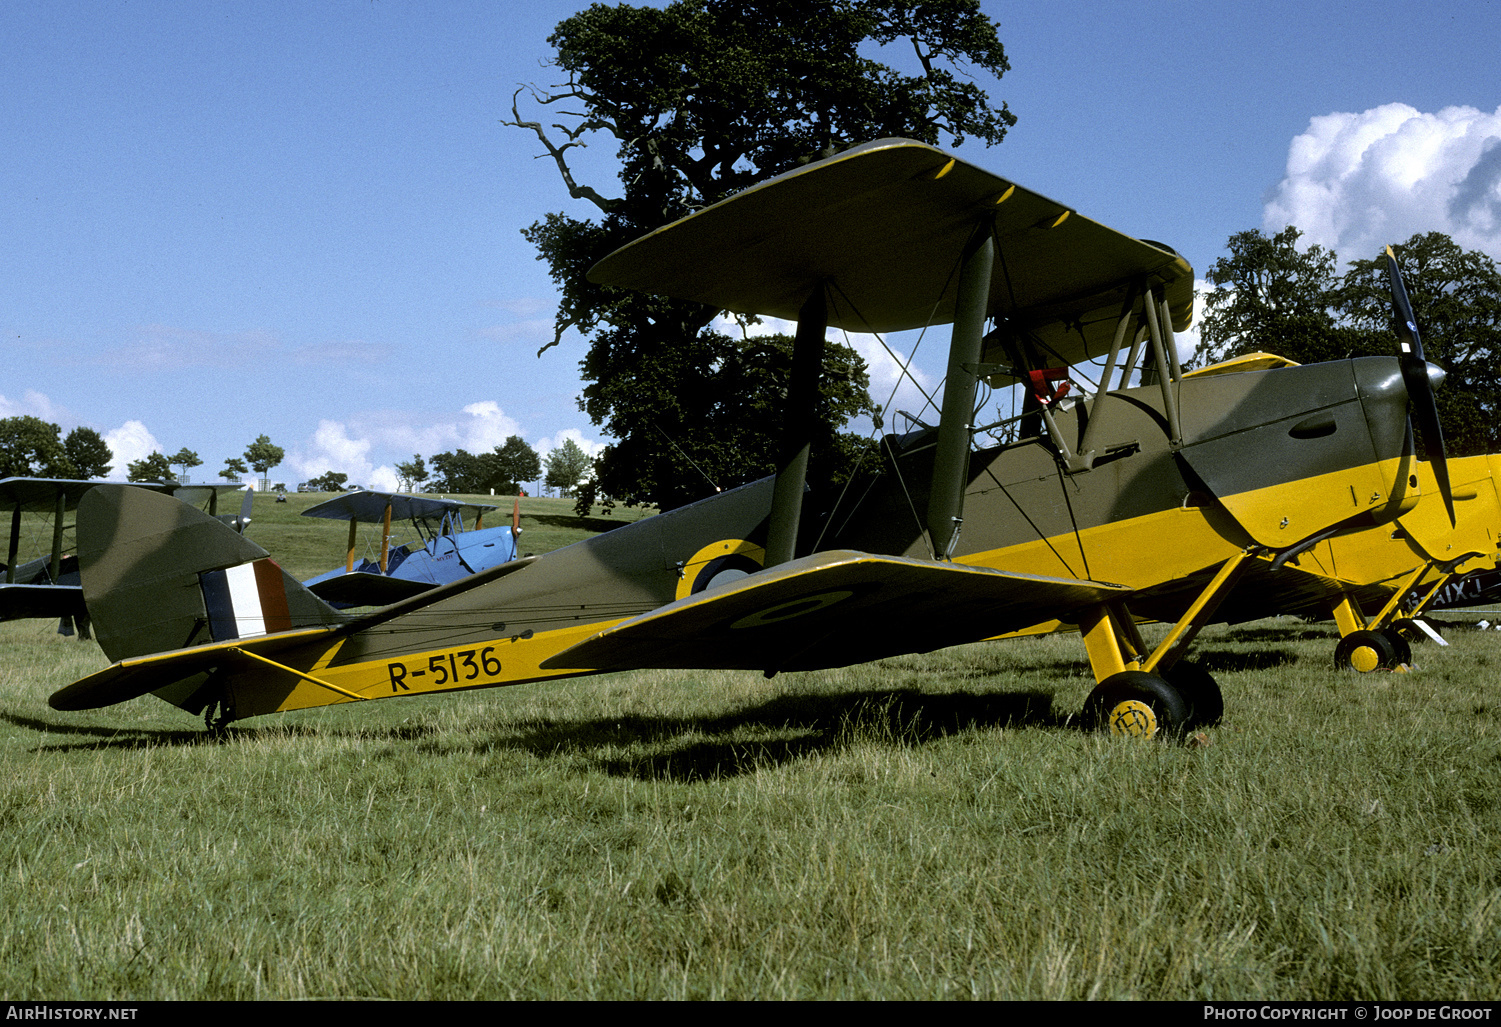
802 402
951 459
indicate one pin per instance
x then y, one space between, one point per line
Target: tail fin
159 575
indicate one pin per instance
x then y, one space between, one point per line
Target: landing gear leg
1158 694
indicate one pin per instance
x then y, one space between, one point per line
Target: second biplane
1150 497
443 551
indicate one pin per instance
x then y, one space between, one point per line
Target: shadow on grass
85 737
590 524
780 730
104 736
1219 661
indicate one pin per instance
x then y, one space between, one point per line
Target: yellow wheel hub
1365 659
1133 717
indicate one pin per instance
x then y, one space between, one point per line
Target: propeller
1415 375
244 517
516 521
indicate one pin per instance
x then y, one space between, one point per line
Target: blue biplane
443 550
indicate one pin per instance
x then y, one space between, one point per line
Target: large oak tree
701 99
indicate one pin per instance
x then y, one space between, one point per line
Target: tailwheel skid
217 716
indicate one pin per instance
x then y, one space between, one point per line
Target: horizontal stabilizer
358 588
135 677
831 610
25 602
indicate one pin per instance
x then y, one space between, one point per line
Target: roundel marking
719 563
792 608
1133 717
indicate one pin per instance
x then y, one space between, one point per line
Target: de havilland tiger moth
1145 500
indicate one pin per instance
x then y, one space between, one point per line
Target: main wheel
1364 651
1401 647
1136 703
1200 692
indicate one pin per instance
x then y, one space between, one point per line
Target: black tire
1363 652
1200 692
1401 648
1134 702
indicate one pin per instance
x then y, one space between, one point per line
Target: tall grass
926 827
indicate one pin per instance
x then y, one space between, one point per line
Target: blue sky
303 219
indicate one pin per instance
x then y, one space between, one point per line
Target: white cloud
545 446
1356 182
332 449
34 404
130 442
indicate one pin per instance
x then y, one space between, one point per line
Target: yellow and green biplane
1153 492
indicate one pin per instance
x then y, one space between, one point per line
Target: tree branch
578 192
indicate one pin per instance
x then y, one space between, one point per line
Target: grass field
925 827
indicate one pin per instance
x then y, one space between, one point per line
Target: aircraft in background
48 586
1151 498
443 551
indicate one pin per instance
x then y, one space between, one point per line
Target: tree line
33 448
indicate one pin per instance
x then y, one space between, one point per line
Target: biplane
444 549
48 586
1150 494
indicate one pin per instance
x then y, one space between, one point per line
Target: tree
459 471
706 98
1270 296
87 451
333 481
515 462
566 466
29 448
502 469
234 469
412 474
187 460
155 467
263 456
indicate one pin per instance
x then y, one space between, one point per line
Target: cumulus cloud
368 446
545 446
32 404
333 449
1356 182
130 442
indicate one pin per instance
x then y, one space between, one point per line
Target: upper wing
370 507
883 225
830 610
41 493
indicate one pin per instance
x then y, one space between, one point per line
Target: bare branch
578 192
559 327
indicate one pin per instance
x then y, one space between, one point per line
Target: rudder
159 575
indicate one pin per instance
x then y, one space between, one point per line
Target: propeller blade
244 518
1419 385
516 520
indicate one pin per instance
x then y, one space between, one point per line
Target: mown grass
926 827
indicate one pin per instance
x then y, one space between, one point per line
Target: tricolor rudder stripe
245 601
